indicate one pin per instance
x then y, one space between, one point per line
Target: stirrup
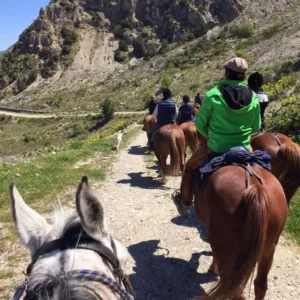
182 209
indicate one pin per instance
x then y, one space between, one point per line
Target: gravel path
170 257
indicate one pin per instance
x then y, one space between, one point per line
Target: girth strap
250 172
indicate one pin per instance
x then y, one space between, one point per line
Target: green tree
108 110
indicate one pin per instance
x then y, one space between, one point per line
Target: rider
255 83
152 105
230 114
186 111
198 99
165 112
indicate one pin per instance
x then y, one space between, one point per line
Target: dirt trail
170 257
58 115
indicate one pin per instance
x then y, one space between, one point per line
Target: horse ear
31 226
90 211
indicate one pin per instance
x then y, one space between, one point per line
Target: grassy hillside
268 44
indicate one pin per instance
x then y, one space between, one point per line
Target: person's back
198 99
186 111
165 112
255 83
234 116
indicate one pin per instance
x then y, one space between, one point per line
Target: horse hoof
213 269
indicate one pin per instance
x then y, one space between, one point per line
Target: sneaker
183 210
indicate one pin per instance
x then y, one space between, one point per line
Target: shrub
69 35
165 80
285 69
139 47
287 119
164 46
241 53
78 129
123 46
272 30
126 24
278 89
146 98
108 110
118 31
121 56
243 31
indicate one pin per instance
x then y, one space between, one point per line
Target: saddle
238 156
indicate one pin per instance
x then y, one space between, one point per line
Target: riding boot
184 199
150 146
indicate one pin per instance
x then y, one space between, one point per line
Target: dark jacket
152 106
166 112
186 113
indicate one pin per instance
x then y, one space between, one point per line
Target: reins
277 138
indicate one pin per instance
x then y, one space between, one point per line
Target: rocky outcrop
144 25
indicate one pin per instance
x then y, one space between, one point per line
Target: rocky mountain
72 37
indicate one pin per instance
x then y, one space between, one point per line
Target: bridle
76 238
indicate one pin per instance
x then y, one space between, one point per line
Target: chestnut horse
169 140
148 123
196 108
191 136
285 159
244 216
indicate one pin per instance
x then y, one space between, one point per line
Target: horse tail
174 152
288 157
192 137
241 264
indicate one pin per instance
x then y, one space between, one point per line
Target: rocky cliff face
141 26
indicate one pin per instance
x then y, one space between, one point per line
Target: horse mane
289 157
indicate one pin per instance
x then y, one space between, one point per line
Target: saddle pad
236 155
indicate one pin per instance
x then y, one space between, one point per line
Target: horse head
73 256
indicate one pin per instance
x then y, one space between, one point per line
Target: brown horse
244 222
196 108
285 159
148 123
191 136
169 140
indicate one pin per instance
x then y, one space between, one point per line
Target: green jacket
226 127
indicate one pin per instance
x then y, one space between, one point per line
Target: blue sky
15 17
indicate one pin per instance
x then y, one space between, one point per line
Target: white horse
74 257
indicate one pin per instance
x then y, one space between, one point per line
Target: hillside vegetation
82 57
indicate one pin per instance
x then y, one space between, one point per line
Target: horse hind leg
182 153
163 164
261 281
